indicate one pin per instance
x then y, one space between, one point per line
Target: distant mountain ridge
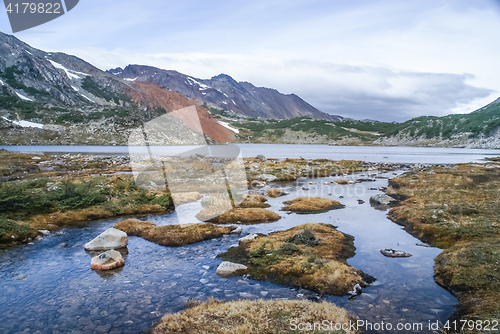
223 92
72 101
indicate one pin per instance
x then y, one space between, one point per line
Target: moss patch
243 316
172 235
311 256
15 231
311 205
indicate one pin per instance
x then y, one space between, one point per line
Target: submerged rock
226 268
273 193
110 259
310 256
311 205
173 235
394 253
109 239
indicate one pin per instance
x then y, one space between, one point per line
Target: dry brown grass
172 235
341 182
311 205
54 220
456 208
244 216
311 256
250 317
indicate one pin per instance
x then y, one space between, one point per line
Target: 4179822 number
32 8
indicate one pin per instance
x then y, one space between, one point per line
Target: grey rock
227 268
266 177
382 199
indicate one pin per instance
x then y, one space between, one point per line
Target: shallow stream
61 294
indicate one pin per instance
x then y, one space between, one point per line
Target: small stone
242 282
248 237
21 277
227 268
247 295
236 230
63 244
44 232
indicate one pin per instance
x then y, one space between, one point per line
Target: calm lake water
61 294
366 153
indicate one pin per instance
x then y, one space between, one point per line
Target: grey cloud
381 99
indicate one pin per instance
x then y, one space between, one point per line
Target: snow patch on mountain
202 86
70 73
24 97
227 126
25 124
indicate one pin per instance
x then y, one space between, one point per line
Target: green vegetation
10 79
479 122
311 256
92 87
27 198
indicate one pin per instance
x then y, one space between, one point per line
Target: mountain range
54 98
225 93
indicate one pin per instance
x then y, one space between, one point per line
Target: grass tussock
243 216
456 208
250 317
172 235
310 256
254 201
311 205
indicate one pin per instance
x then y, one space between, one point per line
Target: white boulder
109 239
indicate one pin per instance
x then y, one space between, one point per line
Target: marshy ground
456 208
453 207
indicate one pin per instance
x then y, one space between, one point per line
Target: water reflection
61 293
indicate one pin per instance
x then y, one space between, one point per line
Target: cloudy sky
386 60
